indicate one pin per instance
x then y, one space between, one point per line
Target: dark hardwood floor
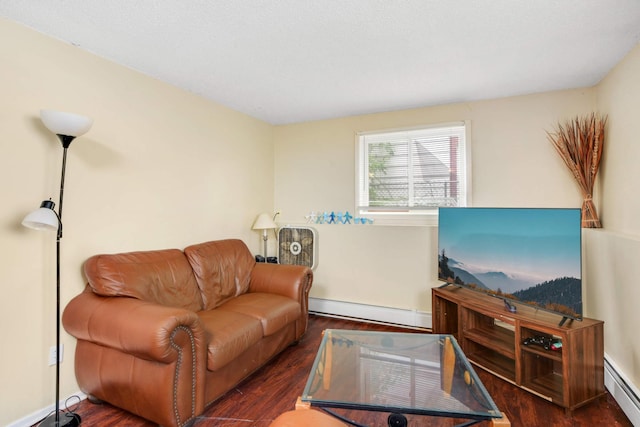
275 388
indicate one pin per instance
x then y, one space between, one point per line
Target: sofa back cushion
163 277
222 269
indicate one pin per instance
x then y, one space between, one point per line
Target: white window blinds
412 170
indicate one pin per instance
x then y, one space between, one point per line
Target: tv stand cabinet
493 339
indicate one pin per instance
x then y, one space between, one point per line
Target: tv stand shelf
493 339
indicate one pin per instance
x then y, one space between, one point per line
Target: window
403 176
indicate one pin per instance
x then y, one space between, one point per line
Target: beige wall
613 252
393 266
160 168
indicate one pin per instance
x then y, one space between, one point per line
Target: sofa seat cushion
229 334
273 311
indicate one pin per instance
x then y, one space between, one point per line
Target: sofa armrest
140 328
292 281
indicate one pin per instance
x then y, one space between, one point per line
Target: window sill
406 220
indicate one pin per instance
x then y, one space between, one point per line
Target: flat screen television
529 256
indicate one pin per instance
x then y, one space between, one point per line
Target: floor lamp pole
69 419
57 419
58 238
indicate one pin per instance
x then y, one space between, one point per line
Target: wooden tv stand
492 339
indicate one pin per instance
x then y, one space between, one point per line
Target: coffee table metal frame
398 373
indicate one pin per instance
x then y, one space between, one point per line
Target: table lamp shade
264 222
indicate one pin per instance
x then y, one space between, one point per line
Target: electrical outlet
53 354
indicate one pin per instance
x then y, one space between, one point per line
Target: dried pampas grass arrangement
579 142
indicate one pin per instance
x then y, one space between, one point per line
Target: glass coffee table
398 373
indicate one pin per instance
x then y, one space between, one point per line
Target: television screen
529 256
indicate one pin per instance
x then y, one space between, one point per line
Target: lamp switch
53 354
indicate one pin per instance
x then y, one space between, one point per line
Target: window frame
409 216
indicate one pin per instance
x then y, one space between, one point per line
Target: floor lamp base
66 419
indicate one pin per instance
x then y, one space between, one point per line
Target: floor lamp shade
43 218
68 124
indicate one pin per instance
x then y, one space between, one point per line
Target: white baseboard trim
371 313
620 388
39 415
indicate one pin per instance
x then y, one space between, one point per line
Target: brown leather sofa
164 333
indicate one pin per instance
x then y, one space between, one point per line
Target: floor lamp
67 126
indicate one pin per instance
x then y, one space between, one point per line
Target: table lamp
265 223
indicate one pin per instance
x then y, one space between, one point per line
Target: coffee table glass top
405 373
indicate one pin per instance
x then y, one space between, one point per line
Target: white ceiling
288 61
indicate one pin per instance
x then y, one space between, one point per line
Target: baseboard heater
370 313
622 391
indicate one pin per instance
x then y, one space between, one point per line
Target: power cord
77 405
67 412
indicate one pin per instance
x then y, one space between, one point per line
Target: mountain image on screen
527 256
